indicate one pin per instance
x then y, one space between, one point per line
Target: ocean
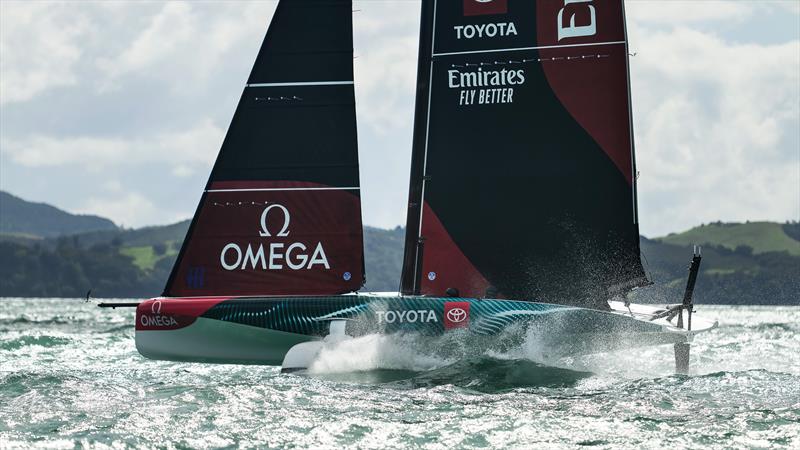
70 377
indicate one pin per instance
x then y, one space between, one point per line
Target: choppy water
71 377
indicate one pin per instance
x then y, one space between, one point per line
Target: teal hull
263 330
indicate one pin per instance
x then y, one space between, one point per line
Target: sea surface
70 377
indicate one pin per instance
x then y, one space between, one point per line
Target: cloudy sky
119 108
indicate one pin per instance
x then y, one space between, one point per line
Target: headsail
281 213
522 181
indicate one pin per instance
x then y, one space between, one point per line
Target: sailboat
522 201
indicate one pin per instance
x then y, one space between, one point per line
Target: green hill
22 218
136 263
383 256
751 263
147 246
762 237
146 236
728 277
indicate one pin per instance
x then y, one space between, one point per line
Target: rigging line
425 155
518 49
634 175
561 58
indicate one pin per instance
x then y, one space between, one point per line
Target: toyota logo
155 308
456 315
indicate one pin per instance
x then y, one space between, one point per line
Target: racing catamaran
522 200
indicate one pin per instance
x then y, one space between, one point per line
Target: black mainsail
522 179
281 212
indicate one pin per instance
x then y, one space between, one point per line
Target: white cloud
692 12
95 45
688 11
715 108
717 126
39 48
184 44
170 29
182 171
196 146
385 69
129 209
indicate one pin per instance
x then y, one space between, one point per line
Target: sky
119 108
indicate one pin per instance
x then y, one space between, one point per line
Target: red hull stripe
172 313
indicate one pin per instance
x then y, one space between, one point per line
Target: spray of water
418 353
540 347
376 351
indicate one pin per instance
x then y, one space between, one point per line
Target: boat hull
263 330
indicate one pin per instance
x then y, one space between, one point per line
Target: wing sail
281 213
522 181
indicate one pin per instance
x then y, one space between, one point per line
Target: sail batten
286 189
522 181
303 83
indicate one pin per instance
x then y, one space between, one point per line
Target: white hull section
214 341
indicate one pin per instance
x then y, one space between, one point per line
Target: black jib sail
281 213
522 182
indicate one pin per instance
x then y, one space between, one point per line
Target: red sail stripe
449 267
591 81
310 243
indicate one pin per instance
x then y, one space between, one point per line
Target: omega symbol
286 219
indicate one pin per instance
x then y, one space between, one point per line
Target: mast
281 212
523 179
414 243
